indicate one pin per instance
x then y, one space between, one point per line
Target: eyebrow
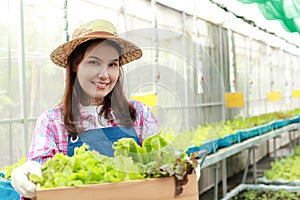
95 57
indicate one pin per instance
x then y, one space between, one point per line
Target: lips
100 85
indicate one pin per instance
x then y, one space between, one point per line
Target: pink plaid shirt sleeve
49 136
146 123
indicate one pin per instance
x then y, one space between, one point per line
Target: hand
20 178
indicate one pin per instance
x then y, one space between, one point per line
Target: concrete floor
232 182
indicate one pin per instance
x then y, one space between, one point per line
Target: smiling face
98 71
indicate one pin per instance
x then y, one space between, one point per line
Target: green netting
286 11
290 25
272 9
253 1
292 8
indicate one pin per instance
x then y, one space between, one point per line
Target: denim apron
101 139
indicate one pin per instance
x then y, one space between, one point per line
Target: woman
94 109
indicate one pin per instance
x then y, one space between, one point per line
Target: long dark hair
74 94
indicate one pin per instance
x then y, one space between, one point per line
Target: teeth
102 84
98 84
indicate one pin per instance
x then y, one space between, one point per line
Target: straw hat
94 30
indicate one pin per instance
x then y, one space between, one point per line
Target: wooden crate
153 189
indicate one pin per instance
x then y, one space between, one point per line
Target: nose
102 72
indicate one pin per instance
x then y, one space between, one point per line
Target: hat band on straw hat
102 33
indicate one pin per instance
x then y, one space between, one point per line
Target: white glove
200 156
20 178
198 172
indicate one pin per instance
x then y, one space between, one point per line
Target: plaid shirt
50 136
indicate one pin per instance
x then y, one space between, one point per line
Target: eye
114 64
93 62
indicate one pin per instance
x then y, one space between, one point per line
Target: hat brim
129 51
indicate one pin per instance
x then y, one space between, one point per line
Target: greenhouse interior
209 93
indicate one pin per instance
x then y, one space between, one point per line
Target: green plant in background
235 124
294 112
285 169
220 130
250 195
259 194
187 138
182 140
197 136
201 134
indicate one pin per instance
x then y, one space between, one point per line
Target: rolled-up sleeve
48 138
146 123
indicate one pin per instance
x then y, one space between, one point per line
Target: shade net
286 11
